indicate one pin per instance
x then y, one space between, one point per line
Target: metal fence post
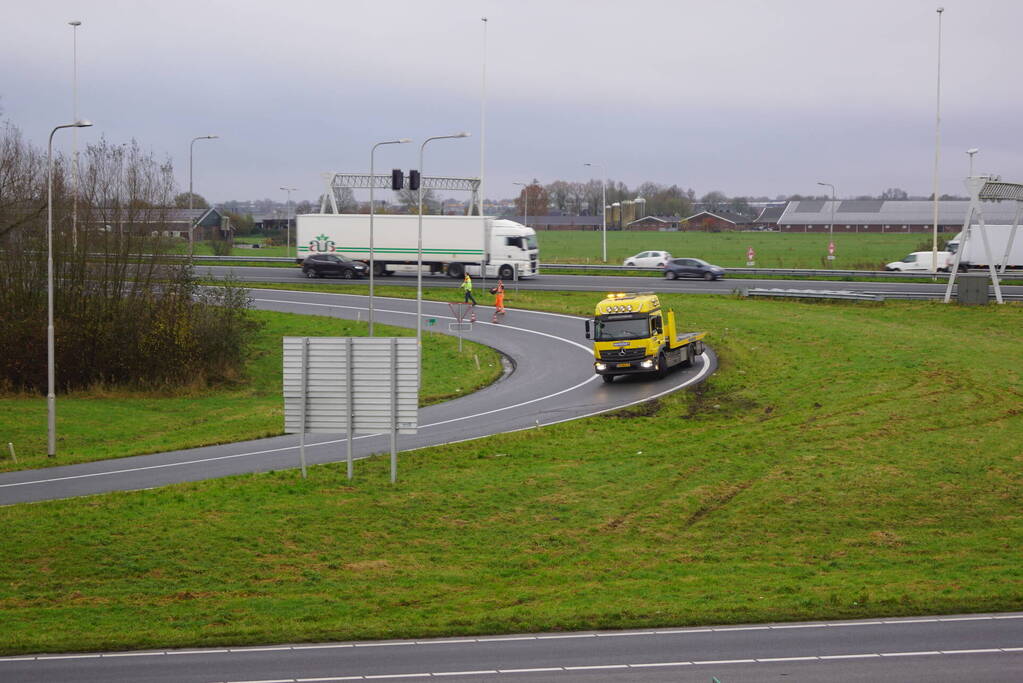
350 401
305 400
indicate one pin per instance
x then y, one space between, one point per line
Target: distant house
716 221
769 215
878 215
559 222
209 223
658 223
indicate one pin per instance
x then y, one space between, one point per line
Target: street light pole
831 227
191 222
372 209
74 138
525 201
971 152
419 257
603 203
51 392
287 217
937 153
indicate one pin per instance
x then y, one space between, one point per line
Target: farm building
877 215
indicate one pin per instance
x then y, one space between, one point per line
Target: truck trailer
998 237
633 335
454 245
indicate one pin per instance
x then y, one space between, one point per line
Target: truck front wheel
662 365
506 272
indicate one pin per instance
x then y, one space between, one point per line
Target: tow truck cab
632 335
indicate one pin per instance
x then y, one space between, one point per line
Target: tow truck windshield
611 330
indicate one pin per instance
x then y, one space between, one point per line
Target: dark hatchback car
323 265
692 267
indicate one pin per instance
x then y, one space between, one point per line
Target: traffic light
413 180
397 179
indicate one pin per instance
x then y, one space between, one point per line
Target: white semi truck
998 237
453 245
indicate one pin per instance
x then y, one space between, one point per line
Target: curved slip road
985 647
603 283
553 381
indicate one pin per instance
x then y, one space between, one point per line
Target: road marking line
67 657
741 628
445 642
396 642
799 626
596 666
330 678
566 635
239 650
367 678
529 671
620 635
970 652
465 673
151 653
494 640
321 647
196 652
910 654
788 659
641 666
849 656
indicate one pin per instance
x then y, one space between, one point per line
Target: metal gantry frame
991 189
363 181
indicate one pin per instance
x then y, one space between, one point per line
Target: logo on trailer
322 243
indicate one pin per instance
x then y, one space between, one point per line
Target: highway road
552 381
981 647
605 283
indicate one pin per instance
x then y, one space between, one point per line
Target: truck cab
632 335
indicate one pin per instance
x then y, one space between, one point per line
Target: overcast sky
745 97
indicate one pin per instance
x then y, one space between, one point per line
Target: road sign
750 257
351 385
831 251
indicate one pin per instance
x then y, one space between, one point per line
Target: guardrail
777 272
813 294
783 272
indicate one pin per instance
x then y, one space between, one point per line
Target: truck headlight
601 366
647 363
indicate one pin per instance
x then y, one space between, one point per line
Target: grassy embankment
854 251
845 461
101 423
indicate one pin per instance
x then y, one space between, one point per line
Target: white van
921 261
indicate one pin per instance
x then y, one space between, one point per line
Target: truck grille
622 354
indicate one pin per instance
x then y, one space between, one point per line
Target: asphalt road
934 649
606 283
552 381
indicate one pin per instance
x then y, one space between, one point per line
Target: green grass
853 251
846 460
115 423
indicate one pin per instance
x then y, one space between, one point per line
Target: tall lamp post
971 152
603 202
74 138
831 227
372 209
51 394
525 201
419 257
937 153
191 223
287 217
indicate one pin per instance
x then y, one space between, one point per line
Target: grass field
846 460
108 424
855 251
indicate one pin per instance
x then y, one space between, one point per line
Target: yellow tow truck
632 335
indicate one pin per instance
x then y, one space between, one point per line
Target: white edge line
860 656
787 659
971 652
529 671
465 673
320 647
641 666
911 654
566 635
620 635
596 666
724 661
